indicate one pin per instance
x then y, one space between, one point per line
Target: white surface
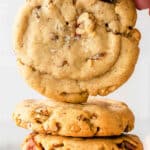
136 92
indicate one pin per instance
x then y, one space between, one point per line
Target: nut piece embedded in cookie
85 23
31 145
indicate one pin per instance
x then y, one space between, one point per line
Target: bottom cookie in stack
48 142
100 123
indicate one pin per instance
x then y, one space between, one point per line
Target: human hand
142 4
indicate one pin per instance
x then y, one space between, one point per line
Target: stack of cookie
100 124
68 50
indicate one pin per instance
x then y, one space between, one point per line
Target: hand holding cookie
69 50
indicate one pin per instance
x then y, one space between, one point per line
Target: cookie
47 142
69 49
95 118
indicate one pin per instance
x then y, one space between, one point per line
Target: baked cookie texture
95 118
70 49
47 142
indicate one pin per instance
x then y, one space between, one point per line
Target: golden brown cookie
70 49
95 118
47 142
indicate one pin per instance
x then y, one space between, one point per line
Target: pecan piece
85 23
98 56
126 145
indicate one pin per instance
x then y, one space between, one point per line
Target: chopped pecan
85 23
54 127
54 36
82 118
126 145
58 145
32 145
41 114
37 13
94 116
42 111
38 7
64 63
98 56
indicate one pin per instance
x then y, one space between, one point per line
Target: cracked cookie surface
70 49
47 142
95 118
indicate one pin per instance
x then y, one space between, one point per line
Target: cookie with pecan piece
70 49
48 142
95 118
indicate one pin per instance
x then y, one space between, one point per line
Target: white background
136 92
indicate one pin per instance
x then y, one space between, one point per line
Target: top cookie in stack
70 49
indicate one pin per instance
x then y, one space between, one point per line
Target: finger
142 4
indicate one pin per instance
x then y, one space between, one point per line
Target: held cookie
47 142
69 49
95 118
